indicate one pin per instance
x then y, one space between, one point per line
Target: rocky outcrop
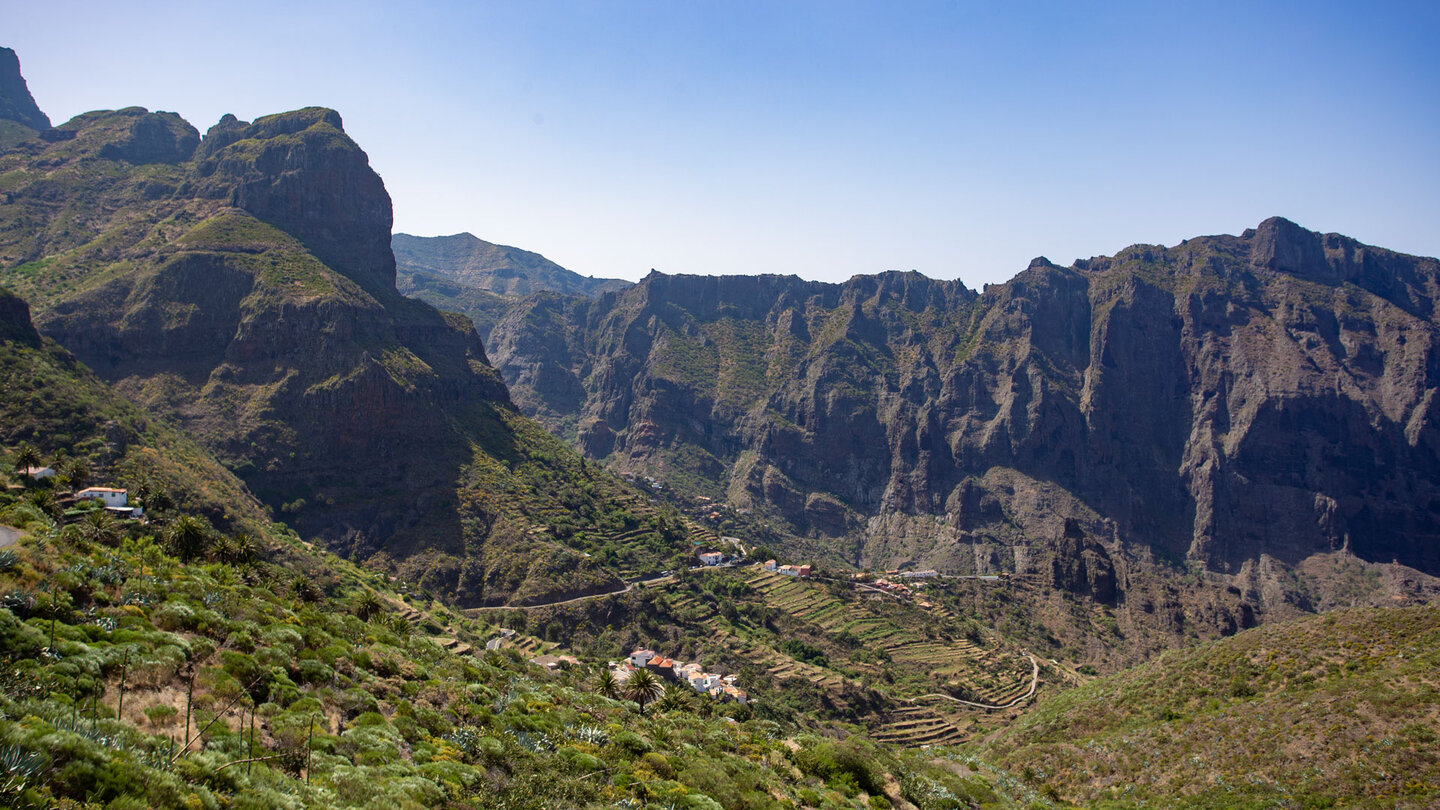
16 103
158 137
1082 565
242 286
1269 395
299 172
15 321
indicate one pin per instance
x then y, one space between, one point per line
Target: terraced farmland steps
918 726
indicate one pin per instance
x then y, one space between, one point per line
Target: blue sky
819 138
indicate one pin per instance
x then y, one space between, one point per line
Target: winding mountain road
660 580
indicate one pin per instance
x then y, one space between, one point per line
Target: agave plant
594 735
534 741
18 768
466 738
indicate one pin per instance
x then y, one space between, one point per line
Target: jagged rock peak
300 172
226 131
16 103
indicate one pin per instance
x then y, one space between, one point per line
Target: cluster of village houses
721 687
798 571
888 585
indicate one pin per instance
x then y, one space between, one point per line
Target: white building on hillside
113 498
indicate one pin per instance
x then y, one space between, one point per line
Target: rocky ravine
1241 403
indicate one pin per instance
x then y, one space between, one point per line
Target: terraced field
891 646
991 676
919 725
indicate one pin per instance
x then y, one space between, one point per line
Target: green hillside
133 679
1338 710
59 408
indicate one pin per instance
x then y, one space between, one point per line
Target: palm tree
26 456
187 536
304 588
607 685
642 687
247 548
675 696
369 606
152 496
44 500
76 470
100 527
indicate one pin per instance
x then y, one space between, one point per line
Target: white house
40 472
640 658
712 558
770 565
107 495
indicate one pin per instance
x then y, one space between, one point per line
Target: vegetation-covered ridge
75 423
133 677
241 287
1337 710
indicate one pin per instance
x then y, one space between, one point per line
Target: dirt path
8 536
1029 693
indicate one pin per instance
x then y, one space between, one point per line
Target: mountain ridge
1176 394
241 284
499 269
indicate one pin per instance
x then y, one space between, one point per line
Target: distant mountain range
1243 403
467 274
1243 406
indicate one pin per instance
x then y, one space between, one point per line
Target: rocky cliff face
16 103
242 285
1225 401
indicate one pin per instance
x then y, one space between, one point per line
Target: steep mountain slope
1336 710
56 405
243 286
1241 403
16 103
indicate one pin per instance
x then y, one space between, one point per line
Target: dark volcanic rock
300 172
16 103
1082 565
1271 395
243 288
15 321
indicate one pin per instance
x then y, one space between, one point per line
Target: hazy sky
819 138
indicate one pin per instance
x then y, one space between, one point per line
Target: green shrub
19 640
